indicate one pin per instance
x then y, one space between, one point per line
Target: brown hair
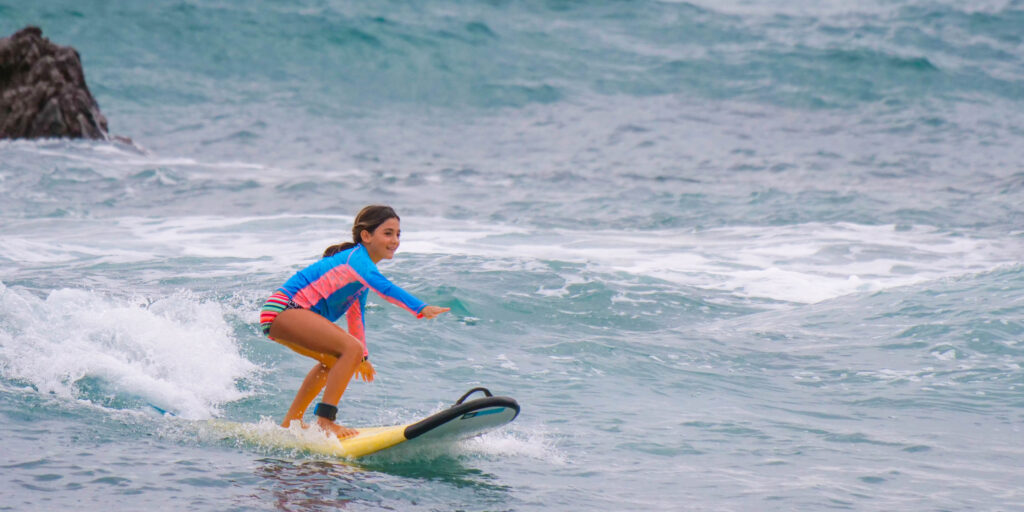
369 219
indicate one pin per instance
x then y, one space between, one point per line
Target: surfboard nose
467 418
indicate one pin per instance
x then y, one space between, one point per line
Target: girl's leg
315 336
311 387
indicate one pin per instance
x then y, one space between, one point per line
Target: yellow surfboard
462 420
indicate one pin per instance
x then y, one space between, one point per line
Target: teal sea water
740 255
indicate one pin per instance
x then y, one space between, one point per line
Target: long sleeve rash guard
339 285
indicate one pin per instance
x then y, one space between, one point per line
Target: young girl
301 314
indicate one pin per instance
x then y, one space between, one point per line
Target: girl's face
383 242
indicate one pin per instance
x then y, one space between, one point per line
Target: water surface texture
733 256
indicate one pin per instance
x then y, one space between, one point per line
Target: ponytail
368 219
336 248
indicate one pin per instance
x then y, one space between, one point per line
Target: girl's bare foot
333 428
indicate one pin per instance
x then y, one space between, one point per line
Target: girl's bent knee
352 346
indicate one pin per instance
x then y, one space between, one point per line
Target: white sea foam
518 441
175 352
803 263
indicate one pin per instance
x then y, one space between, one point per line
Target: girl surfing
301 314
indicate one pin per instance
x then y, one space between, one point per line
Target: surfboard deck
462 420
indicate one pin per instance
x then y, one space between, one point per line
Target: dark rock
43 91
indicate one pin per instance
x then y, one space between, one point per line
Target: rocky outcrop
43 91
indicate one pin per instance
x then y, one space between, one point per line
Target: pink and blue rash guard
339 284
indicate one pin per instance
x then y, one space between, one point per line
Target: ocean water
740 255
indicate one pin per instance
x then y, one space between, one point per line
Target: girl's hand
365 371
432 311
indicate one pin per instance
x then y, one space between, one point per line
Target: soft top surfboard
462 420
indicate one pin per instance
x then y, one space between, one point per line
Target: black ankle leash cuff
326 411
